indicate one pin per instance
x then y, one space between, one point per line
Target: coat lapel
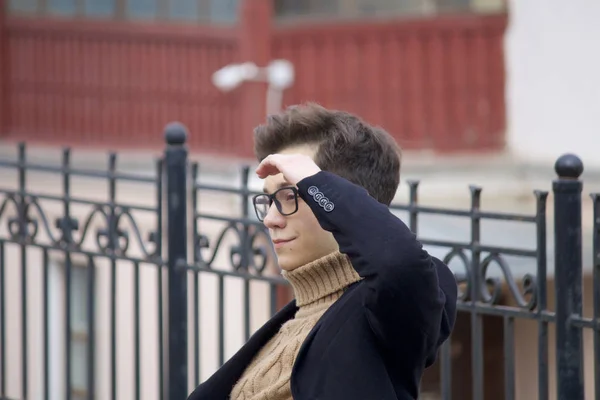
301 358
219 386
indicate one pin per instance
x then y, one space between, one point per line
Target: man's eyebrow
279 185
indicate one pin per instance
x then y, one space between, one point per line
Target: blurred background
484 92
464 81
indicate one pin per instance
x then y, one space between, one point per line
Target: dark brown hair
346 145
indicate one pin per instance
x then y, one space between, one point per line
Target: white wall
127 193
553 79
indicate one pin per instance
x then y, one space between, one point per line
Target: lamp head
280 73
231 76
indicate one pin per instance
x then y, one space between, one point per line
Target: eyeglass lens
285 201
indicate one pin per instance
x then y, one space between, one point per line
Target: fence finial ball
568 166
175 133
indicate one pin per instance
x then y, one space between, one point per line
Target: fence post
567 276
176 176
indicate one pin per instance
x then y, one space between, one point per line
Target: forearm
381 247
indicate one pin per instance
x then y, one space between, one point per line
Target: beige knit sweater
317 286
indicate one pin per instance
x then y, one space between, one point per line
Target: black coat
376 340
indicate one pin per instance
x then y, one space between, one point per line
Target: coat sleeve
405 302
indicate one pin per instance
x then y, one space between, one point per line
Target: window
454 5
100 8
184 9
141 9
198 11
360 8
23 6
79 319
61 7
385 7
224 11
291 8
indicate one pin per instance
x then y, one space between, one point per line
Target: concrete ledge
502 176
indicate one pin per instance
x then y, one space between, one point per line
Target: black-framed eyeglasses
286 201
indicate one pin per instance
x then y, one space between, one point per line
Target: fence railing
139 285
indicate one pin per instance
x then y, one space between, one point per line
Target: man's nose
274 219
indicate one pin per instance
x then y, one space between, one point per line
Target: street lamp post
278 74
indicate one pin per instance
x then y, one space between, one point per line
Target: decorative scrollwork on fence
111 238
492 297
490 288
461 278
115 240
20 227
245 255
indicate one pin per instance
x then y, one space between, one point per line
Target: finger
267 171
263 164
268 166
273 159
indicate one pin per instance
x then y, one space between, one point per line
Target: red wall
4 77
434 83
74 81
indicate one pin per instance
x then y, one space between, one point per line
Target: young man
371 306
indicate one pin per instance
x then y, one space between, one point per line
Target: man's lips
281 242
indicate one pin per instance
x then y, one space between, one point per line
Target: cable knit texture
317 286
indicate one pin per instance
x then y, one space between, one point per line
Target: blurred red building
112 73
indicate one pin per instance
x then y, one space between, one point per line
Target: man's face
298 238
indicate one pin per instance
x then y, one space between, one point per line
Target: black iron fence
119 285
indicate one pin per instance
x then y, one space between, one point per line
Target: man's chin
288 268
286 263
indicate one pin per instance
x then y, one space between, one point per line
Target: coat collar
219 386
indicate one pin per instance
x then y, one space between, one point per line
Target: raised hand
294 167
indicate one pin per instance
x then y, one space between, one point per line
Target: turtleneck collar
321 278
